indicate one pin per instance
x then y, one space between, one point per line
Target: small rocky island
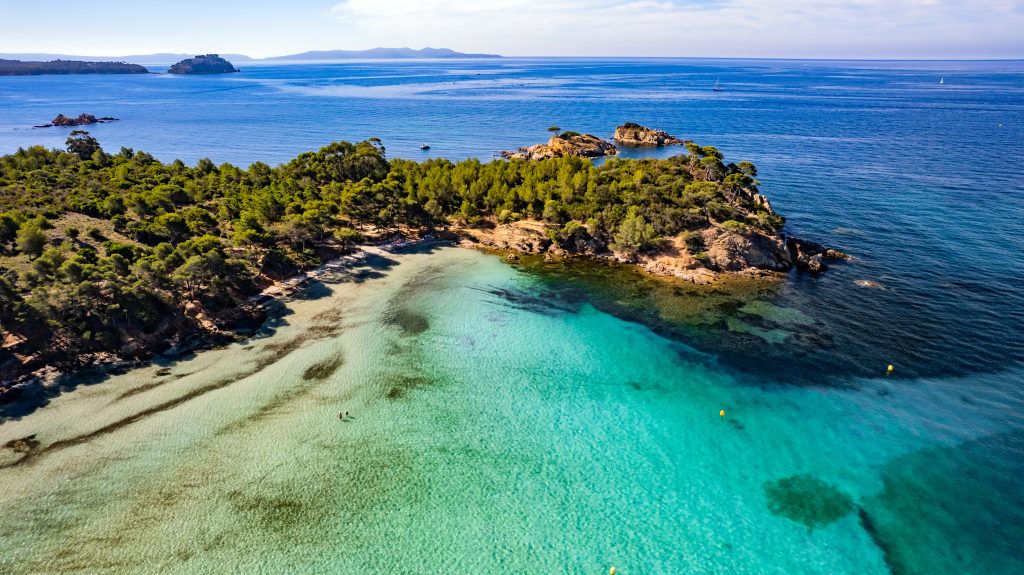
19 68
203 64
565 144
62 121
631 134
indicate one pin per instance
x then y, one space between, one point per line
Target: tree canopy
158 235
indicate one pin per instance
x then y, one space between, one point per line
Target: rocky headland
63 121
565 144
203 64
698 256
631 134
748 241
20 68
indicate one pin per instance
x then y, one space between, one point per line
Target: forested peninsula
120 255
20 68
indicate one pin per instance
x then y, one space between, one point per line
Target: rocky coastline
700 257
727 253
635 135
565 144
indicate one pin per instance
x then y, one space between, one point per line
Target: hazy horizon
733 29
273 57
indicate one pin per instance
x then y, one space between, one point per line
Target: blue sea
566 418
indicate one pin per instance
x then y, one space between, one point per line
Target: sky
901 29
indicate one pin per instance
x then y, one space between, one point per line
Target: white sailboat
717 88
942 80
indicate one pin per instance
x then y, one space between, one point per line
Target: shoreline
209 336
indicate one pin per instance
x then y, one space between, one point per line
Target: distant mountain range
169 58
382 53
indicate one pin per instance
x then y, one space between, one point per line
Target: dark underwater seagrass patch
808 500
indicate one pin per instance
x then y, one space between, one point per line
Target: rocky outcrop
731 252
204 64
630 134
700 257
810 255
82 120
525 236
762 203
566 144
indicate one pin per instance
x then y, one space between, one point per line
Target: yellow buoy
889 370
721 413
611 571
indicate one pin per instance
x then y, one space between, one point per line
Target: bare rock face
630 134
810 255
728 251
762 202
566 144
523 236
81 120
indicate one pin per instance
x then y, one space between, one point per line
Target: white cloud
827 28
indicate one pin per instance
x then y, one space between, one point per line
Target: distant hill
30 68
204 64
382 54
161 58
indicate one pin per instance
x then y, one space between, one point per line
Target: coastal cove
532 404
472 420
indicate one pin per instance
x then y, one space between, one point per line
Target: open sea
567 418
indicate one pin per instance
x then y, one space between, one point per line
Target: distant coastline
379 53
20 68
382 54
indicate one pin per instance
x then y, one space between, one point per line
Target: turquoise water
566 417
497 428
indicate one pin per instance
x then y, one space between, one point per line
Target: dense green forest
100 251
19 68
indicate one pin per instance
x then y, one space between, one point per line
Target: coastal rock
565 144
810 255
630 134
676 261
763 203
729 251
82 120
203 64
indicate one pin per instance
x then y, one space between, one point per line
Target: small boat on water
717 88
425 147
942 80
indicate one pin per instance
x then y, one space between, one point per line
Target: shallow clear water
566 417
495 427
